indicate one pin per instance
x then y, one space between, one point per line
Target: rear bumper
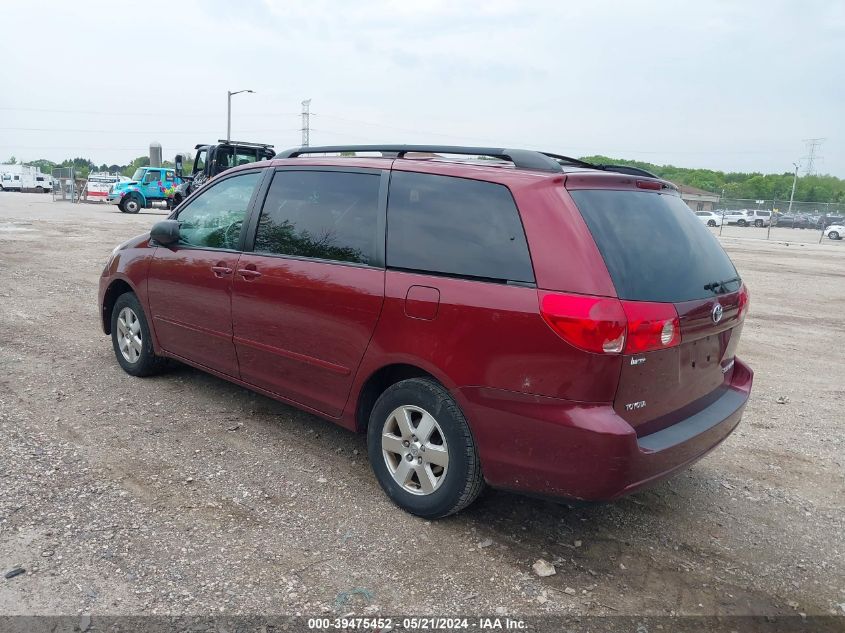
583 451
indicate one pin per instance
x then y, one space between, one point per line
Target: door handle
221 271
249 273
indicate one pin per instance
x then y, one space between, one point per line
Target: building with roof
698 199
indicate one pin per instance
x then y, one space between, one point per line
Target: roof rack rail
522 158
244 143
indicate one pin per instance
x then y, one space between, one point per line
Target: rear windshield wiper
721 284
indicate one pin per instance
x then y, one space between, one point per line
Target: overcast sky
719 84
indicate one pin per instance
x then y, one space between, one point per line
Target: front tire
758 223
742 223
130 204
711 223
834 235
131 340
422 451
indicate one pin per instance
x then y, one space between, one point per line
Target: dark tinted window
654 246
232 157
322 214
455 226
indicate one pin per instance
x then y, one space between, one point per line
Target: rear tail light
604 325
742 304
594 324
651 326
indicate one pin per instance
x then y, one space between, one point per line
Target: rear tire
711 223
131 340
758 223
834 235
742 223
433 484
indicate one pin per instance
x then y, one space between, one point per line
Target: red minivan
507 317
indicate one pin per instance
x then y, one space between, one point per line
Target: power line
144 132
169 114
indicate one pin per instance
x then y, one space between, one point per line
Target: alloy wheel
129 335
414 449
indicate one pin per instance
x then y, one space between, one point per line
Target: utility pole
306 123
794 182
229 94
813 145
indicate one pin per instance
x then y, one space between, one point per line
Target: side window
199 161
455 226
153 175
223 158
214 218
321 214
245 156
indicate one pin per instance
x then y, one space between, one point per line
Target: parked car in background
424 302
748 217
710 218
794 221
835 231
828 220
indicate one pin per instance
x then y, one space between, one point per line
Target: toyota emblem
717 313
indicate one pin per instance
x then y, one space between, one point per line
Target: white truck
24 178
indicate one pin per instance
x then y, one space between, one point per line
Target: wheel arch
116 288
138 194
378 382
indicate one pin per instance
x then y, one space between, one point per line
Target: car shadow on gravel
659 546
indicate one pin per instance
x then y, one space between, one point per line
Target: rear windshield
654 246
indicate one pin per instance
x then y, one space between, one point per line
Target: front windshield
139 173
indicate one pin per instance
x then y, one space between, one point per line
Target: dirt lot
185 494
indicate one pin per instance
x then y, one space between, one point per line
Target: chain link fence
64 183
774 219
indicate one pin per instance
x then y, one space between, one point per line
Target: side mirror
165 232
179 161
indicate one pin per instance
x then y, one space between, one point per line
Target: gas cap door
422 302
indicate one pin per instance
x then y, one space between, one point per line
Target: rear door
657 251
307 299
190 284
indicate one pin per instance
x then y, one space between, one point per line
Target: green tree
141 161
743 185
43 165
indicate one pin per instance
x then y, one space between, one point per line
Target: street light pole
794 182
229 94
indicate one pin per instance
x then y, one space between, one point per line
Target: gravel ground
184 494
